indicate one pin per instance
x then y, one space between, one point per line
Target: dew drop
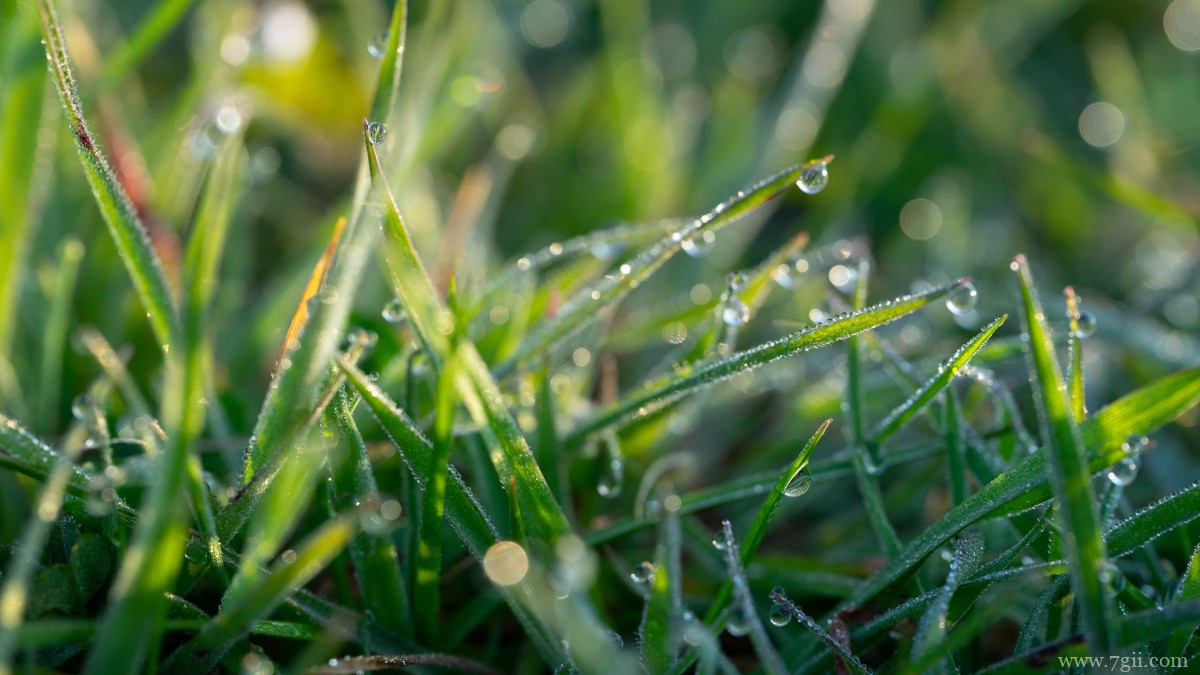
393 311
612 478
719 543
378 45
736 281
738 624
376 133
813 177
1109 575
1123 472
784 275
735 312
642 573
1086 327
799 484
605 251
82 406
963 299
779 616
700 245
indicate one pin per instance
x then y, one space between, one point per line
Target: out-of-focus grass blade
1154 521
659 634
946 374
743 606
391 65
839 650
1189 591
1025 484
956 450
156 27
1074 359
1069 472
968 549
587 306
758 528
54 335
474 383
671 388
373 553
201 653
464 513
119 214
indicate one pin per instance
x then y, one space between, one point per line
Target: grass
282 391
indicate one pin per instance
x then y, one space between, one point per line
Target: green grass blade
1154 521
1070 475
758 528
671 388
1189 591
956 450
586 307
744 608
201 653
845 656
660 637
118 212
150 33
968 549
1152 624
373 553
387 85
946 374
1074 359
1142 411
54 335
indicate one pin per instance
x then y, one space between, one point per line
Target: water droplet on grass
393 311
963 299
779 616
813 177
378 45
643 573
1086 326
719 543
1123 472
699 246
739 623
799 484
612 478
376 133
735 312
82 406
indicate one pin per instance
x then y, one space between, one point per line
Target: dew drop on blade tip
779 616
963 299
1086 326
813 177
376 133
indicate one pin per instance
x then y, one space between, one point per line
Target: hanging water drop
736 281
643 573
784 275
612 478
963 299
719 543
82 406
378 45
1086 326
1123 472
779 616
799 484
393 311
735 312
376 133
814 176
738 624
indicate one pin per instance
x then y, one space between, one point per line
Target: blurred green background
964 133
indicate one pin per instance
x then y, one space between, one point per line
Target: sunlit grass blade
846 657
796 472
1154 521
743 610
968 549
1074 359
1025 484
661 620
373 553
671 388
1070 476
127 230
474 383
581 310
946 374
201 653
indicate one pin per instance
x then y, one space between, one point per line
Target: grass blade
659 630
54 335
671 388
844 655
968 549
1074 359
758 528
1154 521
1189 591
946 374
744 609
150 33
1070 475
585 307
118 212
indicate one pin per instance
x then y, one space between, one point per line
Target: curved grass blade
587 306
758 528
1074 359
844 655
1154 521
946 374
659 630
373 554
127 230
744 607
1025 484
671 388
201 653
931 632
1069 472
